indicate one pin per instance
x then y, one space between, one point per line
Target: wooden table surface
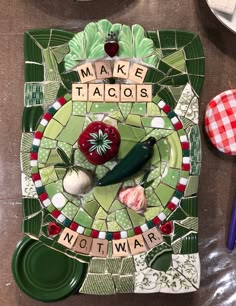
218 175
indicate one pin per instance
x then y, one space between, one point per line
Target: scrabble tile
144 93
103 69
136 244
83 244
121 69
112 92
96 92
68 238
79 92
152 237
128 93
86 72
99 247
120 247
137 73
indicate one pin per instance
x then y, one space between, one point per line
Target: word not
111 92
103 70
121 247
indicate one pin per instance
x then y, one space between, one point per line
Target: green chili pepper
130 164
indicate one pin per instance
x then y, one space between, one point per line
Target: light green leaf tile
115 206
63 114
43 155
192 186
91 208
106 195
48 143
101 214
98 224
48 175
164 193
152 212
83 218
139 108
65 147
172 177
113 226
54 158
123 219
53 129
101 171
175 160
125 109
153 110
134 120
153 200
72 130
111 217
136 219
103 107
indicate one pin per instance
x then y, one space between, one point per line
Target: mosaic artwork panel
124 249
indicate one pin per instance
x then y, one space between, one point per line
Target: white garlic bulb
77 182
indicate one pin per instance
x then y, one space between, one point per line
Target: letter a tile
103 70
152 237
136 244
68 238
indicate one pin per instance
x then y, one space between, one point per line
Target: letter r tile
68 238
120 247
152 237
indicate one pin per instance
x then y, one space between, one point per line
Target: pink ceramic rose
134 198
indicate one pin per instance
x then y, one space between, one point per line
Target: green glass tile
51 208
167 97
190 244
167 39
106 195
176 60
154 37
32 225
95 284
97 265
30 206
113 226
33 94
139 108
125 108
194 49
177 91
172 177
179 231
40 128
190 206
30 119
131 232
79 108
63 114
197 83
196 66
53 129
73 129
51 88
175 160
152 212
69 210
153 76
82 218
32 52
134 120
115 206
59 247
125 284
164 193
135 218
162 262
34 170
34 72
67 222
122 218
87 232
48 175
48 143
109 236
43 155
178 214
101 214
178 194
183 38
25 164
91 208
113 265
104 107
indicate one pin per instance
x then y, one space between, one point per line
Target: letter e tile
120 247
68 238
136 244
99 247
83 244
137 73
86 73
152 237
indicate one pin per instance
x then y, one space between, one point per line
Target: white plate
228 20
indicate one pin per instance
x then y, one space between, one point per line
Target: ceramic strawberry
111 46
99 142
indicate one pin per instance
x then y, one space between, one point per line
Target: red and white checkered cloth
220 122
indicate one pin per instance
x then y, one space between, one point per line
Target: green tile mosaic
33 94
97 265
30 206
64 113
53 129
152 212
79 108
83 218
127 266
113 265
125 284
190 206
190 244
32 225
91 207
178 214
134 120
136 219
172 177
106 195
48 175
139 108
43 155
69 210
164 193
95 284
179 231
69 134
31 117
122 218
125 108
